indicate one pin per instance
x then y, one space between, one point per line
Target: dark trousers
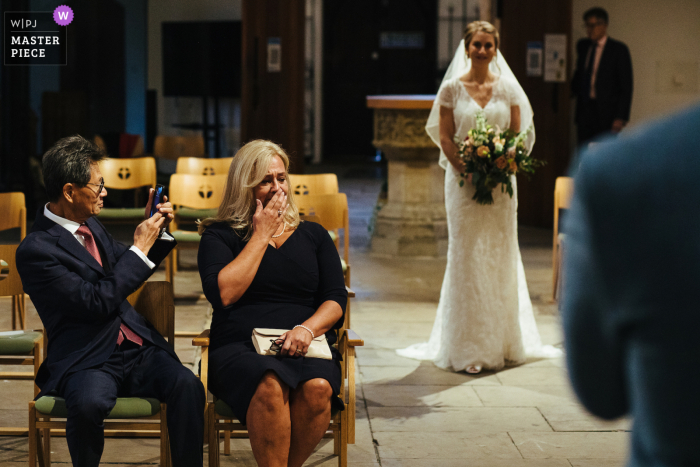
589 125
133 371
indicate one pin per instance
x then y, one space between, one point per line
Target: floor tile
384 395
525 396
476 463
456 419
571 445
576 418
425 373
445 445
368 356
533 376
598 462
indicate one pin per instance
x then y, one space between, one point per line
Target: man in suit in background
631 269
79 278
602 82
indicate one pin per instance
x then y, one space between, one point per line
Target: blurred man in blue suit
79 278
631 274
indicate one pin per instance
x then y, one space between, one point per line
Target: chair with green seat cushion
126 407
17 347
197 197
14 216
19 342
131 416
127 174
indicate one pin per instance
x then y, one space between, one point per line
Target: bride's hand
459 165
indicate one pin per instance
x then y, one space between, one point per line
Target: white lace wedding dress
485 316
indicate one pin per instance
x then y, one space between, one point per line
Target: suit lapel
67 241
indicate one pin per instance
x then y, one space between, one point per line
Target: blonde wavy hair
479 26
248 169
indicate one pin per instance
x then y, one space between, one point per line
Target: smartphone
157 198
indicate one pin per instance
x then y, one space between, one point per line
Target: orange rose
501 163
482 151
513 167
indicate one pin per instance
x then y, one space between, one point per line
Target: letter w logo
63 15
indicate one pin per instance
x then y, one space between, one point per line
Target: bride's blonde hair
248 169
479 26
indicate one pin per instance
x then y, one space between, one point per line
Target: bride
484 318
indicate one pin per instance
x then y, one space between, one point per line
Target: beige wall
179 10
664 41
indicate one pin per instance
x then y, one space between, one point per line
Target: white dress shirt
73 227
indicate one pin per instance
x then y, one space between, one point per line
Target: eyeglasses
101 185
588 25
275 347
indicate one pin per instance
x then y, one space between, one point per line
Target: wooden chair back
128 174
14 212
196 191
332 212
313 184
154 300
10 282
11 286
563 192
201 166
173 147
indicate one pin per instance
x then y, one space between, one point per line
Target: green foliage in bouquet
492 156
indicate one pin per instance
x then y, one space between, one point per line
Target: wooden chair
201 166
133 416
17 347
127 174
342 428
332 211
313 184
193 197
563 191
174 147
14 214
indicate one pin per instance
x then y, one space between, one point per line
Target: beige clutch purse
263 339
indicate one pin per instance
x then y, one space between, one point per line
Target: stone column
413 222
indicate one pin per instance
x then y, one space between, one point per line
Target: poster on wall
274 55
555 58
534 58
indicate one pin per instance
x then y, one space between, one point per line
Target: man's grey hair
69 161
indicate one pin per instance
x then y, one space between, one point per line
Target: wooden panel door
530 20
272 102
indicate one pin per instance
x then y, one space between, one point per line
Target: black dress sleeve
219 246
331 285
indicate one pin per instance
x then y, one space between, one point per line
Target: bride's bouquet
492 156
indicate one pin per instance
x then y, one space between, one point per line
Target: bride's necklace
284 227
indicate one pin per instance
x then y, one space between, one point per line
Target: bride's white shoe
474 369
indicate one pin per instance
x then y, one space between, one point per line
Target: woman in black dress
261 267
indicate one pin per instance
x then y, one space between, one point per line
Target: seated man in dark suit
79 277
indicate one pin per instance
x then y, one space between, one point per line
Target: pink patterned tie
91 247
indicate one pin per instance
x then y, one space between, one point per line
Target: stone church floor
409 413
